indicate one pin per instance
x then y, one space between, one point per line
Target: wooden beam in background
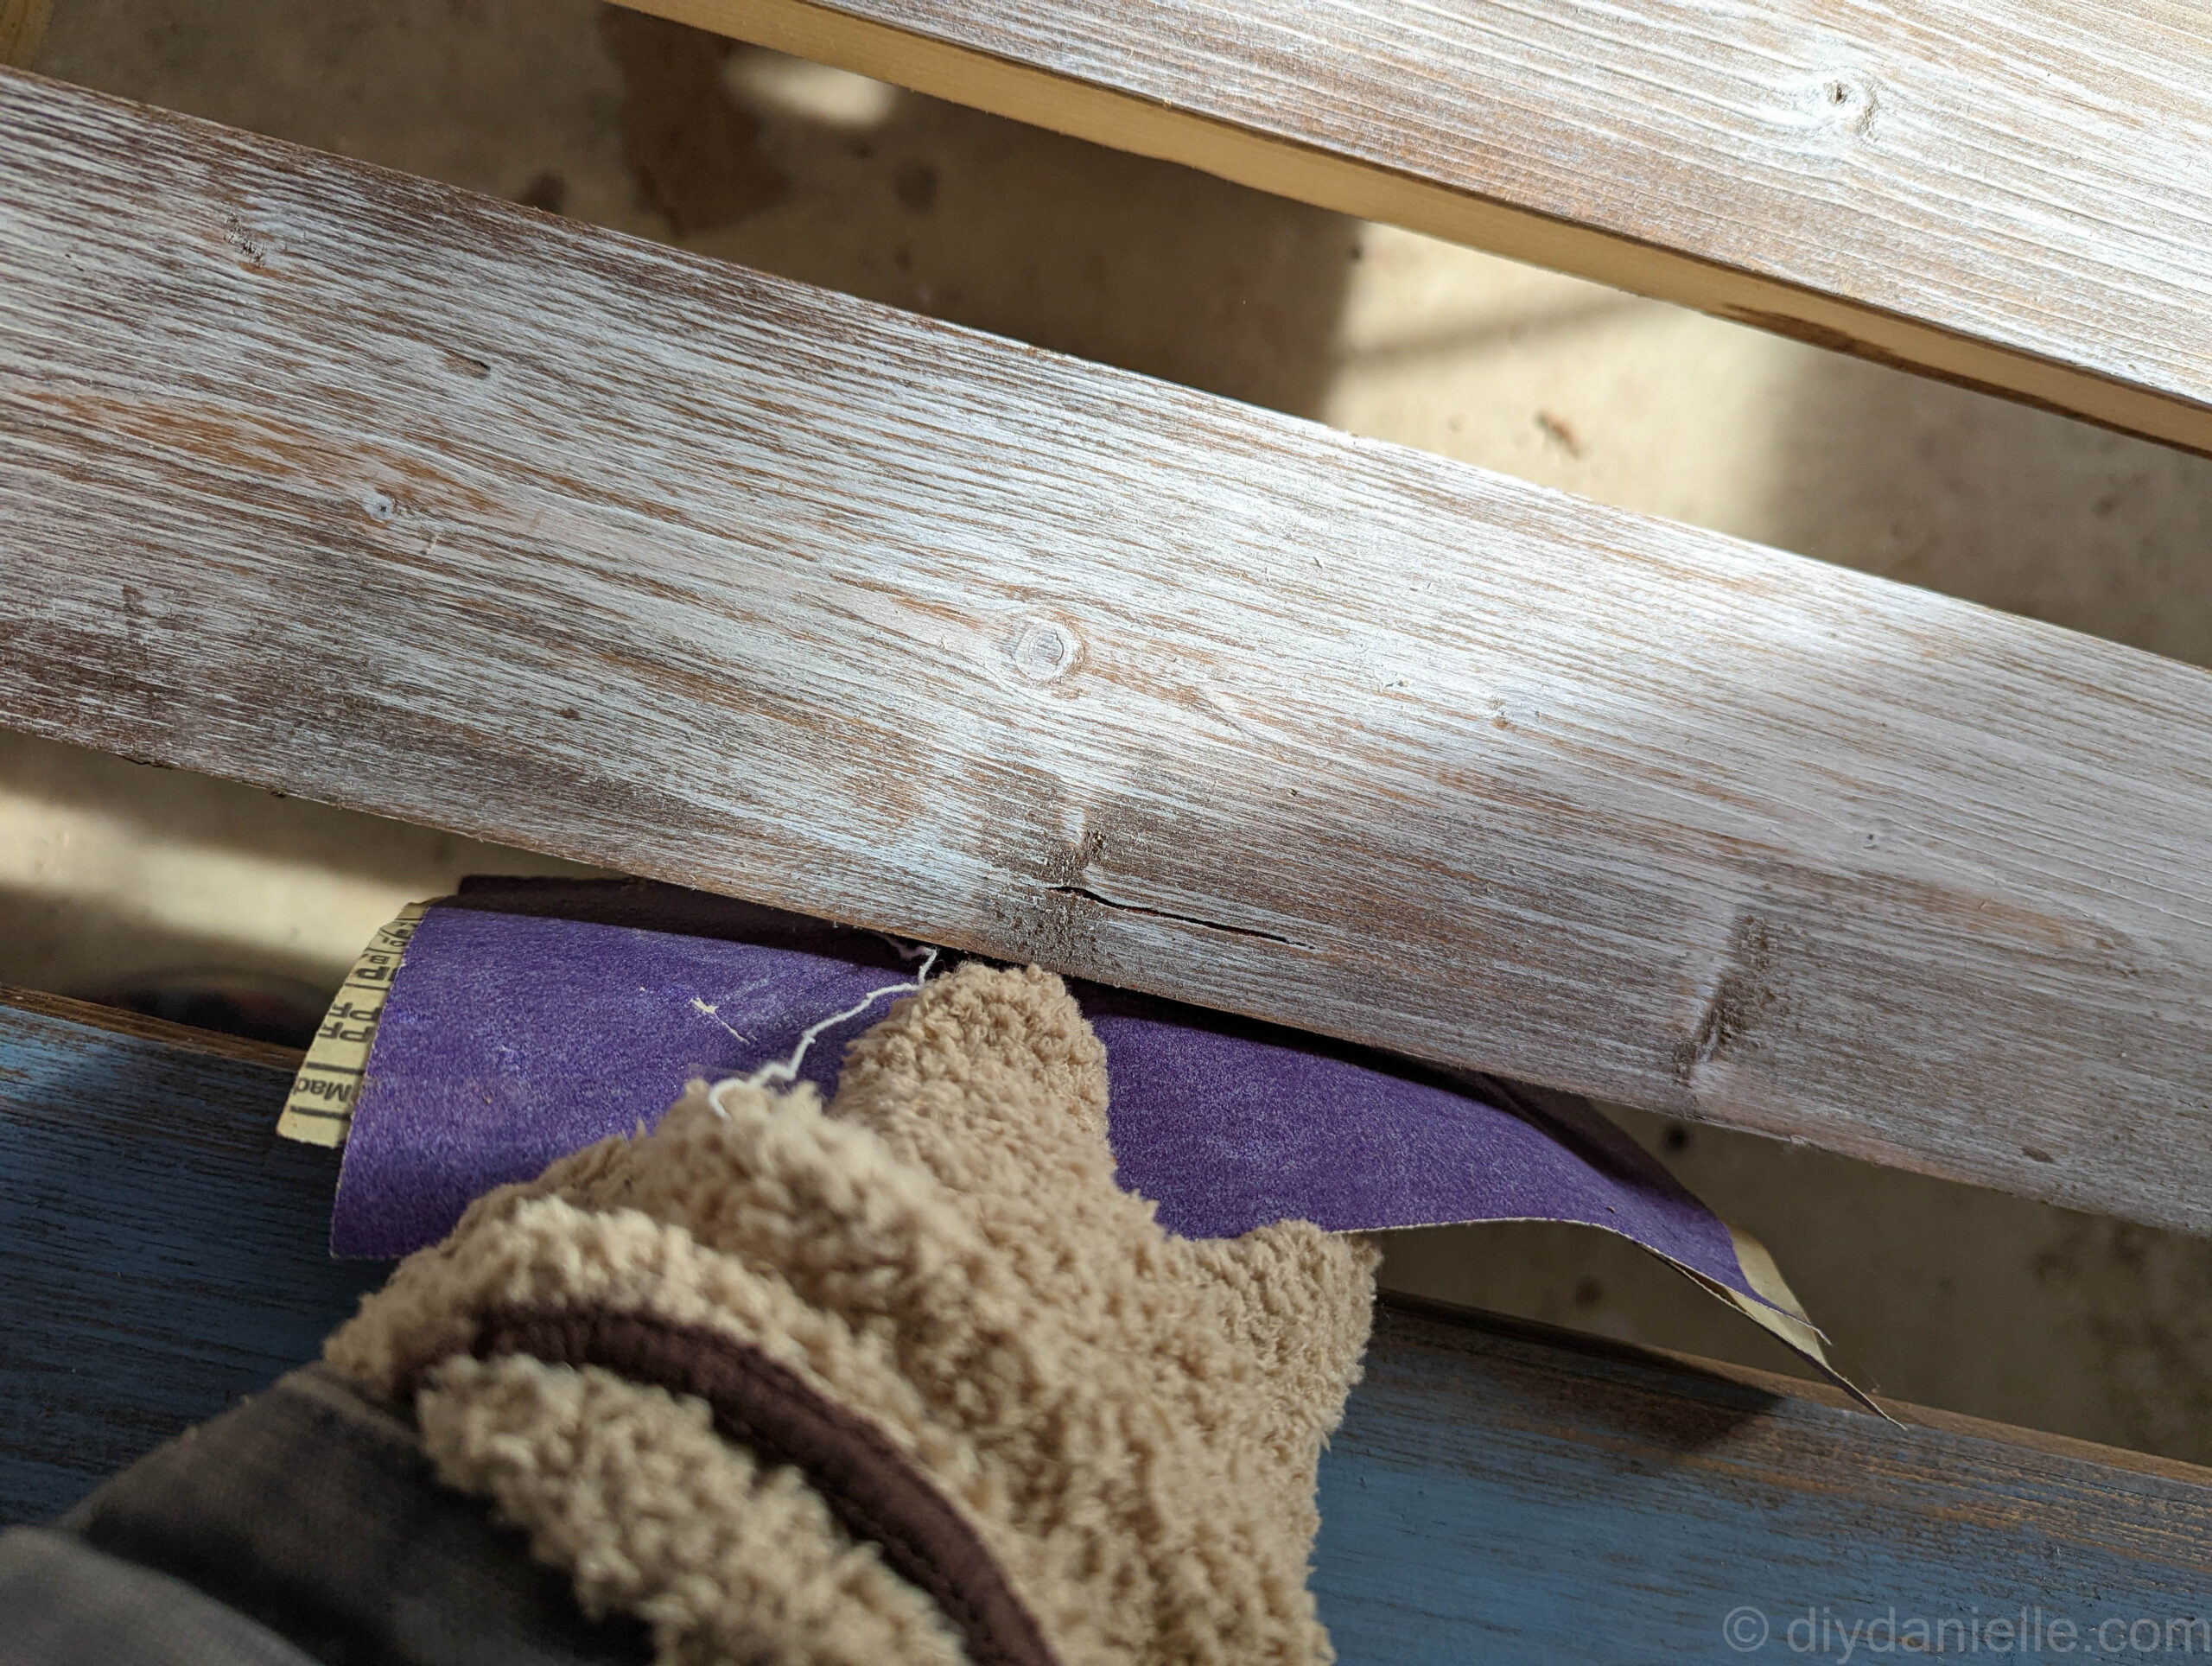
23 29
2016 196
368 489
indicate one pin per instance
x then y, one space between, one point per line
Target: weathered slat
362 488
2016 195
164 1249
1497 1491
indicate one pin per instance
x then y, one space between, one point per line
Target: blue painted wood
1497 1491
164 1249
1500 1494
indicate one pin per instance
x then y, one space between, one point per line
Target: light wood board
359 488
2014 195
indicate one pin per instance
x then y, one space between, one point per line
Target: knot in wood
1041 650
1849 98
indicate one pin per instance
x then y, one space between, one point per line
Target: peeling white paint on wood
350 485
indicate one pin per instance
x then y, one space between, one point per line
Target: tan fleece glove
907 1379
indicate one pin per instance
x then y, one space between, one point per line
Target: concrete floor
1935 1292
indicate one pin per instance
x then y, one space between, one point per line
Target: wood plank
1498 1491
2016 196
165 1250
172 1037
1502 1492
367 490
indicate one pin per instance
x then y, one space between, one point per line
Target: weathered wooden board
1497 1491
164 1249
2013 193
367 490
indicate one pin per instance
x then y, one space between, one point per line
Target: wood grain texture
2015 196
165 1250
1497 1491
355 487
175 1037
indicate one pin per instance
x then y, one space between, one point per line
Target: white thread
787 1069
715 1013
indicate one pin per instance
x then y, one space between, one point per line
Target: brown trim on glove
871 1487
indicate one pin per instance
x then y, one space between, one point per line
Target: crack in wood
1667 908
1090 895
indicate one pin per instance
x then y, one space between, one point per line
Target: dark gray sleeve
304 1525
63 1603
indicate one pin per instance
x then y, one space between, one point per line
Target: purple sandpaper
511 1038
507 1041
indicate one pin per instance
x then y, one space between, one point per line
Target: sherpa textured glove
907 1378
